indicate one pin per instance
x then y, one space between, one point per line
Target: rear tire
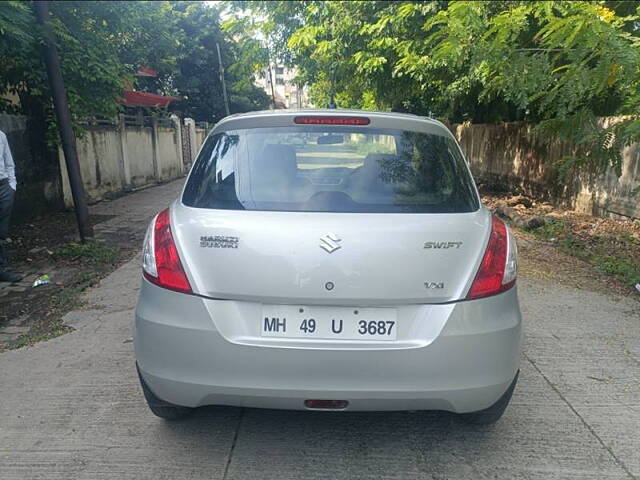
494 412
159 407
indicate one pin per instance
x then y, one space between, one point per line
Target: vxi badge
444 245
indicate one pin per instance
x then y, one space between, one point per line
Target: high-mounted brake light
161 263
498 269
333 120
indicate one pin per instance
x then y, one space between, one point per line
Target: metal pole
63 115
273 92
224 85
332 92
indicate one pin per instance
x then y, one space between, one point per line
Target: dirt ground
49 245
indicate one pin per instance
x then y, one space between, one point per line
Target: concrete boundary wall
516 155
121 157
115 158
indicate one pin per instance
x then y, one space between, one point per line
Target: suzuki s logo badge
330 242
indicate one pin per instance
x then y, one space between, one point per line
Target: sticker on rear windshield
218 241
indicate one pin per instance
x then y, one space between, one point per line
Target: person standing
7 193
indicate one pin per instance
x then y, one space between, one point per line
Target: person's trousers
6 204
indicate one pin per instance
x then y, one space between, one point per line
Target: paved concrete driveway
71 408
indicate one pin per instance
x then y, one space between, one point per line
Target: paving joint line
620 463
233 445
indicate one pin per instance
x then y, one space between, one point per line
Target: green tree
101 46
563 64
558 63
16 34
196 79
97 43
249 57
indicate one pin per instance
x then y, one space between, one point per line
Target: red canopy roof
144 99
146 72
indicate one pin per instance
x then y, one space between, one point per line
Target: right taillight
161 263
499 267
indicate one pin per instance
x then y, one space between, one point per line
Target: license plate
334 323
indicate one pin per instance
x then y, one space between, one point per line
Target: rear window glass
331 169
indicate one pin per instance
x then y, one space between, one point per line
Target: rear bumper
186 360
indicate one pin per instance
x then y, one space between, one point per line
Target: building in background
287 93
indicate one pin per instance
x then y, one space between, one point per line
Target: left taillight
161 263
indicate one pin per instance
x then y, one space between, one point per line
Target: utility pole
224 85
332 93
63 116
273 92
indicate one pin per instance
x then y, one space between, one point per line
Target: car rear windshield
322 168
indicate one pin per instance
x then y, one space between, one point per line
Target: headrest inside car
277 161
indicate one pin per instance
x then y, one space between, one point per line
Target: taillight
332 120
498 268
160 260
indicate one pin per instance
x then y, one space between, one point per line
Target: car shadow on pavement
365 423
289 444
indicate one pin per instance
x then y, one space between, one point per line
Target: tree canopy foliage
101 46
196 78
558 63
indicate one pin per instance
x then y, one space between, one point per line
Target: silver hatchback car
329 260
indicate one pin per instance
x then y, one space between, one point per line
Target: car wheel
494 412
159 407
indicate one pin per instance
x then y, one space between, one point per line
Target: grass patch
551 229
32 338
69 298
617 256
94 260
621 268
91 252
98 256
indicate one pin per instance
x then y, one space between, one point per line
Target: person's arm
9 166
